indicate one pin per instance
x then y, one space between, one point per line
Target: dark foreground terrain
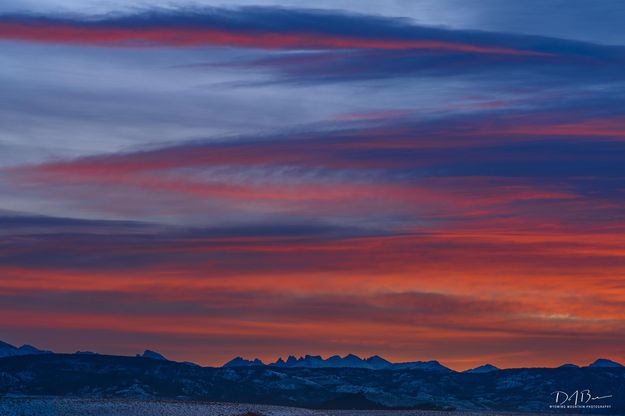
46 406
114 377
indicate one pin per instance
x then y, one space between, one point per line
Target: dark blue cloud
331 24
566 63
16 220
528 73
549 61
48 242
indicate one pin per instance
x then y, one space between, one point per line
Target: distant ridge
374 362
378 363
336 361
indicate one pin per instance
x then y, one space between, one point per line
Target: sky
414 179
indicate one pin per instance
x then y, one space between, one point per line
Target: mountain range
378 363
336 361
374 362
8 350
150 377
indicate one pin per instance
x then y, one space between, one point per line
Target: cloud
529 17
252 27
343 172
554 64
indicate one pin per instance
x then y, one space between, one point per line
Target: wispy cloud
267 28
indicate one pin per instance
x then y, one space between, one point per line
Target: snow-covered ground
43 406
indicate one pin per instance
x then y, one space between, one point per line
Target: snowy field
41 406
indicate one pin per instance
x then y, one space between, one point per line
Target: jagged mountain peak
604 362
4 345
486 368
8 350
377 362
377 358
242 362
153 355
352 357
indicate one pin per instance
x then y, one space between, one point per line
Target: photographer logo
579 399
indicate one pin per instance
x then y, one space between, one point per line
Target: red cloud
194 37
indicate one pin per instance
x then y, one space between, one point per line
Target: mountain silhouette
106 376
